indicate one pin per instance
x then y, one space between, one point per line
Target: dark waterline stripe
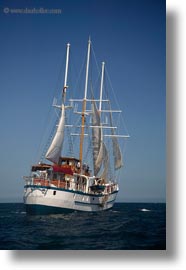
77 202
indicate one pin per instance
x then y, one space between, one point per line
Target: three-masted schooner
68 183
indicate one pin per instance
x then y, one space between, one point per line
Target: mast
99 149
66 73
101 87
84 105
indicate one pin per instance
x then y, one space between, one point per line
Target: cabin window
62 176
55 175
54 192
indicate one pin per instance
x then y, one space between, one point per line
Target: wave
145 210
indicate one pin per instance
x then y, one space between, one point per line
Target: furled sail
118 163
104 174
54 152
99 159
96 139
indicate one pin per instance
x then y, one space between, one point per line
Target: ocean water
128 226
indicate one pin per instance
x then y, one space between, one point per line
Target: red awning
66 169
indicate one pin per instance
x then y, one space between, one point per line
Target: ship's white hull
41 200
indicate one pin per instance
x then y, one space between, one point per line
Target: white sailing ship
68 183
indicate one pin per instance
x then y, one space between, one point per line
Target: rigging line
49 141
116 100
109 80
77 73
110 168
77 124
59 83
93 80
123 150
55 89
77 83
95 58
70 144
88 148
96 83
78 121
70 88
113 120
45 131
98 69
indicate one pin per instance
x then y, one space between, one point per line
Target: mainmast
84 106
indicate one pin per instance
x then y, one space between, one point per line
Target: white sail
96 139
54 152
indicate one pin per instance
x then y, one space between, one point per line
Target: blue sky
130 36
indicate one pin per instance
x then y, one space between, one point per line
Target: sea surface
128 226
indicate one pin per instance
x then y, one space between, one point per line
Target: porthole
54 192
